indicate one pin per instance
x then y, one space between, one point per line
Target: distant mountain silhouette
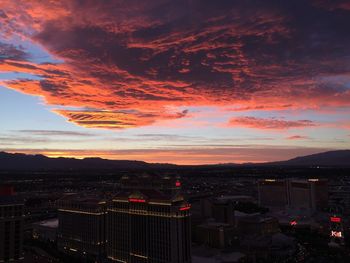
339 158
21 162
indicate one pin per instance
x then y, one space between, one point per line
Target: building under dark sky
11 226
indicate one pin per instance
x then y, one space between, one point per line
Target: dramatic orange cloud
115 120
132 63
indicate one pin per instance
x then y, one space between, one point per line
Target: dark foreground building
149 226
82 227
148 221
165 184
11 226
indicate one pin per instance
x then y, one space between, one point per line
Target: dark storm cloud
150 56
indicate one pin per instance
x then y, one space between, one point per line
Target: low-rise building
257 225
46 230
216 235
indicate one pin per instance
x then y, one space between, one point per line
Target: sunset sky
185 82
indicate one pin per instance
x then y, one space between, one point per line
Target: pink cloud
298 137
269 123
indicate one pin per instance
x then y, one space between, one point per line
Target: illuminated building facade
82 227
149 226
11 226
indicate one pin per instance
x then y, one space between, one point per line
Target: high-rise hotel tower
149 225
148 221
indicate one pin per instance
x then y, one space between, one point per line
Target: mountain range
21 162
340 158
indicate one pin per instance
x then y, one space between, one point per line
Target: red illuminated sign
293 223
184 208
135 200
335 219
6 190
178 184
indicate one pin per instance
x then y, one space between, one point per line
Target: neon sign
336 234
135 200
335 219
184 208
293 223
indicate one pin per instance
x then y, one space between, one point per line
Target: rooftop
51 223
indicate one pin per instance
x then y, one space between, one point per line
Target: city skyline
191 82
